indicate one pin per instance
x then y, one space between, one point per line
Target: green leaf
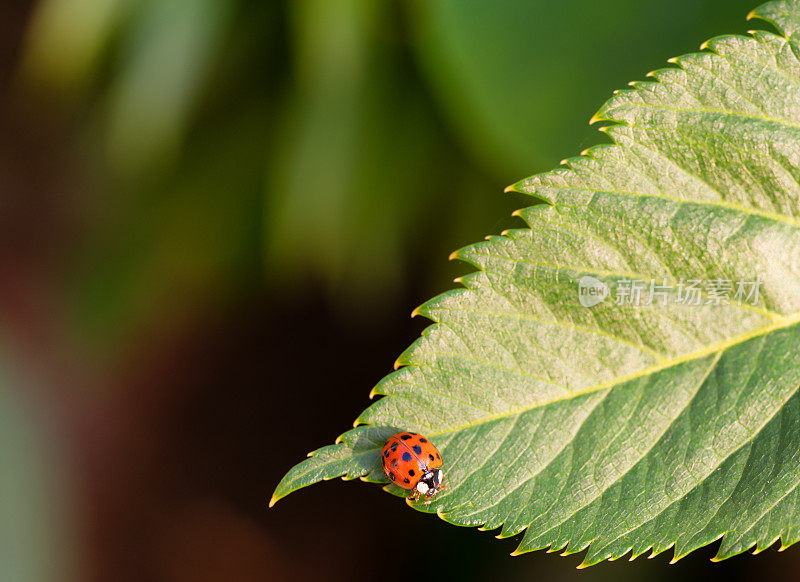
624 427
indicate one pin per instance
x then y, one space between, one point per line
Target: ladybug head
430 483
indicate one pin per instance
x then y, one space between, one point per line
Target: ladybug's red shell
407 457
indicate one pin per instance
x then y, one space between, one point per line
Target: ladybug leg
429 497
414 496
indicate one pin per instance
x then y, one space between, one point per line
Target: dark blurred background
216 217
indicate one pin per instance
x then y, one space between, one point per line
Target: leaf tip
595 118
517 187
677 557
515 553
273 500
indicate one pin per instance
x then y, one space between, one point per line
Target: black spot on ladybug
405 437
423 440
411 472
406 481
392 476
385 453
417 449
394 464
430 457
406 456
438 457
394 447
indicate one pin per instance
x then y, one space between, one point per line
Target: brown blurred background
216 216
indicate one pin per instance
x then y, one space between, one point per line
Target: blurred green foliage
231 144
36 544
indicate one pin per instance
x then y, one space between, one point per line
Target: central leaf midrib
747 441
697 354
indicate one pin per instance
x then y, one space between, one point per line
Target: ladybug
411 461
